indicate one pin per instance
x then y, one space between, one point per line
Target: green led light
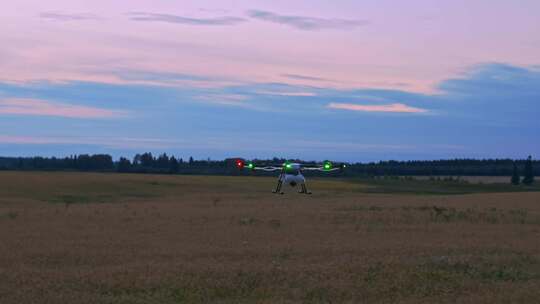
327 165
288 166
251 166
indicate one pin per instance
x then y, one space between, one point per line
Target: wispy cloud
59 16
392 108
225 99
159 76
292 94
234 100
307 23
214 10
171 79
467 109
304 77
38 107
154 17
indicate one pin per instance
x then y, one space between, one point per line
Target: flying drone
290 173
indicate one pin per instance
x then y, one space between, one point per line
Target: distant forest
164 164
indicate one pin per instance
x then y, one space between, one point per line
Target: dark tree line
454 167
148 163
528 173
83 162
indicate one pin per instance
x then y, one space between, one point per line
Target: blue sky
351 81
490 111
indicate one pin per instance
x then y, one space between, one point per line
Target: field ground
475 179
120 238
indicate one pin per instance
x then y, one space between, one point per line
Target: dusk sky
346 80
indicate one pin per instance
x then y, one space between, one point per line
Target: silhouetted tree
85 162
124 165
137 159
528 177
174 166
147 160
163 161
515 175
20 163
190 160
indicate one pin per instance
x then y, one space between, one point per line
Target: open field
473 179
120 238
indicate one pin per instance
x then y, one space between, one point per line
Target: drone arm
268 169
313 168
322 169
330 170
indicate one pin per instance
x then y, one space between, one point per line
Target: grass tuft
11 215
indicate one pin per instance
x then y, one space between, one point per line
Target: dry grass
110 238
473 179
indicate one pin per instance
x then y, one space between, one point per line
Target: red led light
240 164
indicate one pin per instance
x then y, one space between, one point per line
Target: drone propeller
327 166
241 164
268 169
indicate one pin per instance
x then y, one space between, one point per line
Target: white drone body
291 173
293 176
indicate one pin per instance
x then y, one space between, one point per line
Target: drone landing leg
278 187
304 189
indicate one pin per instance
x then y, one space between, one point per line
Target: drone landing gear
278 187
304 190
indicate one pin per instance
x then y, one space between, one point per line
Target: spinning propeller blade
326 166
241 164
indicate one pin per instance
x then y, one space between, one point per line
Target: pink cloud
38 107
393 108
382 55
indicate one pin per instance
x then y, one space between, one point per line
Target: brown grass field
119 238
